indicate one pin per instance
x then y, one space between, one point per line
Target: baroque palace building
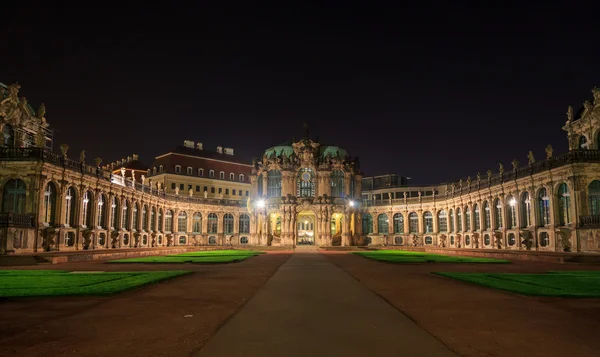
297 193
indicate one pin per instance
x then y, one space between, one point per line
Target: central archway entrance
305 228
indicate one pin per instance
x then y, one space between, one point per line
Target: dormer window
211 173
200 172
154 170
241 177
222 175
190 171
177 169
160 169
232 176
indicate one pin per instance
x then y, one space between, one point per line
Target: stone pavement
310 307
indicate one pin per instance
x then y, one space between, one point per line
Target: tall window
160 221
274 183
144 217
168 220
594 197
222 175
564 204
70 198
544 207
211 173
213 223
153 219
241 177
442 221
413 223
182 222
114 208
367 224
498 213
306 183
228 224
512 211
398 223
197 222
451 221
100 214
232 176
477 217
458 220
50 204
337 183
136 219
125 216
467 218
13 197
87 206
525 210
428 219
244 224
488 216
382 224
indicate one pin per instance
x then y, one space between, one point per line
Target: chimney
220 149
136 157
188 143
228 151
199 145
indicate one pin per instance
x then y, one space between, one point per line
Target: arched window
544 239
222 175
228 224
153 219
413 223
428 220
232 176
70 198
544 208
525 210
488 216
451 221
160 221
274 183
8 135
306 183
114 208
442 221
136 217
337 183
182 222
259 186
154 170
161 169
213 223
244 224
428 240
583 142
498 213
190 171
594 197
467 218
242 180
564 205
125 216
50 204
200 172
177 169
458 220
477 217
512 211
197 222
101 213
211 173
398 223
86 206
13 197
168 220
382 224
367 224
144 217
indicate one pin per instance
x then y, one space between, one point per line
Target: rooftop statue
569 114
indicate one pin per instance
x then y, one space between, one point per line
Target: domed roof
333 151
279 150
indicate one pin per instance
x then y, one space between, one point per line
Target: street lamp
351 203
260 203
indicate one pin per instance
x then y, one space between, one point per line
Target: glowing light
260 203
305 222
513 202
351 203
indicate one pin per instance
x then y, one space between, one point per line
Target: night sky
434 93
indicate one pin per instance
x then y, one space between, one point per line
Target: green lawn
20 283
583 284
402 256
204 257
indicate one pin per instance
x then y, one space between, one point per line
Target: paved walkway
310 307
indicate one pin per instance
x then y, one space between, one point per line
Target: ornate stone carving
549 151
86 234
63 149
530 158
569 114
82 156
515 164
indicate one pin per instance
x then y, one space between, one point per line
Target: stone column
357 186
347 180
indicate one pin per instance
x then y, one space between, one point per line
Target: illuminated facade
299 193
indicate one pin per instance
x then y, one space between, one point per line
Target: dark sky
435 93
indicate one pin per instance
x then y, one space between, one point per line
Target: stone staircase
306 249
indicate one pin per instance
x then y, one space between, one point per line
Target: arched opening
564 204
382 224
543 208
182 222
197 223
336 229
14 196
50 205
306 183
413 223
228 223
398 223
306 228
428 221
70 207
87 209
477 217
213 223
244 224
